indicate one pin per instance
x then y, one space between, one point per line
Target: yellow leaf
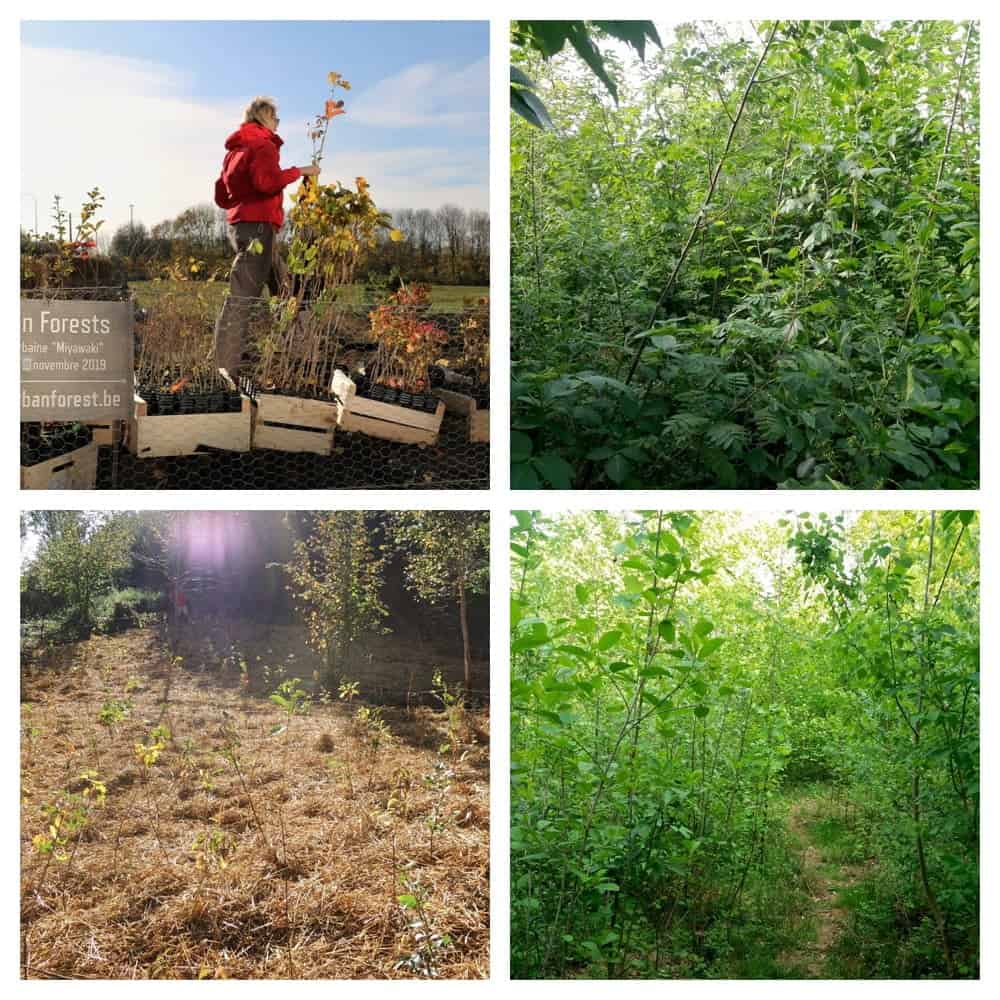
396 235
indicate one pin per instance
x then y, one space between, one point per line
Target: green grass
853 897
839 840
446 298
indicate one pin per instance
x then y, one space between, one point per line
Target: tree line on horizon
448 245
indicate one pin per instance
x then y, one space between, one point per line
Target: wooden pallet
168 434
383 420
288 423
76 470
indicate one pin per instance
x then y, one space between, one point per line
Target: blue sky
142 108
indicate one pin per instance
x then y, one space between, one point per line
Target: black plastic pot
441 377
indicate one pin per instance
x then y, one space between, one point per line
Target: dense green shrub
130 607
677 678
760 268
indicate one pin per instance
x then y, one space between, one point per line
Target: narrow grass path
825 875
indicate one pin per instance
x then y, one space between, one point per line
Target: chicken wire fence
279 428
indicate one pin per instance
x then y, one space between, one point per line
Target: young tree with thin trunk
447 559
336 576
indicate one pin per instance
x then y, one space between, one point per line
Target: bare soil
823 888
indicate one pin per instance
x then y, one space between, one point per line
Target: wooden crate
288 423
383 420
479 426
76 470
479 420
456 402
104 430
182 433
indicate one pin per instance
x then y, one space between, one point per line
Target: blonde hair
256 108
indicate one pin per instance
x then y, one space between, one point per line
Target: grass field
246 843
446 298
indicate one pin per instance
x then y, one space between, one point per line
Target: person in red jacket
251 189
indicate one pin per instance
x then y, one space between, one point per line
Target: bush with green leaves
758 268
336 580
77 557
682 683
126 607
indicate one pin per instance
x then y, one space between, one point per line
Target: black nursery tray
378 393
218 397
323 396
161 402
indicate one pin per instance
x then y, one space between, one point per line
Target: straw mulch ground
295 871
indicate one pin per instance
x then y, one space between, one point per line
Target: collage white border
499 499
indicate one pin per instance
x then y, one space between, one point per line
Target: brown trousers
251 272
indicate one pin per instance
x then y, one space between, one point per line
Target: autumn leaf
396 235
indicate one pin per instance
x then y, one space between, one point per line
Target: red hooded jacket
252 184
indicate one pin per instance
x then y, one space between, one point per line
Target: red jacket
252 184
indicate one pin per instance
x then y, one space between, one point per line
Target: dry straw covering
179 823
